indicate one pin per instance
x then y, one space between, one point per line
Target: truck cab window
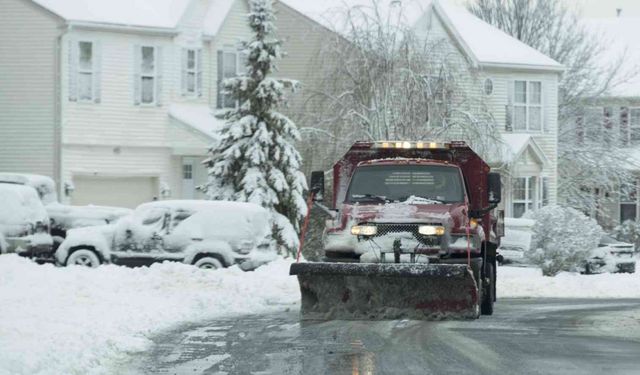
394 183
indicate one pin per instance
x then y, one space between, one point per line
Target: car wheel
208 263
86 258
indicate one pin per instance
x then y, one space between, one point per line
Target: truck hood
449 215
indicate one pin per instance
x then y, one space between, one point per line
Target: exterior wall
115 137
28 88
431 27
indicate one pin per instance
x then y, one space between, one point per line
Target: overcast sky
599 8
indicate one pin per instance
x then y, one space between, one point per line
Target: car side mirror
317 186
494 188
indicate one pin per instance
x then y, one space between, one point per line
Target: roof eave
458 38
548 68
167 31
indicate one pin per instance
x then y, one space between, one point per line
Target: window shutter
73 70
220 97
185 62
97 72
509 106
624 125
137 59
199 72
158 77
544 101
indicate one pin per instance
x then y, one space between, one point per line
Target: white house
518 84
115 98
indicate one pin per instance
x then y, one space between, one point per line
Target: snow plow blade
377 291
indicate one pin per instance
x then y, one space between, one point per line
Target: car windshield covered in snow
399 183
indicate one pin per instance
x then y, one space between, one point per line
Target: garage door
114 191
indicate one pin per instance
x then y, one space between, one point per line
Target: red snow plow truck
413 235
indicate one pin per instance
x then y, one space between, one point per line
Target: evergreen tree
254 158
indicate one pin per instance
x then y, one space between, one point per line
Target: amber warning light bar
419 145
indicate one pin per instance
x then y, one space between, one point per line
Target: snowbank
517 282
82 321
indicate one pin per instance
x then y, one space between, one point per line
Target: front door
188 181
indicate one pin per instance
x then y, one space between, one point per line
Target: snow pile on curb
81 321
517 282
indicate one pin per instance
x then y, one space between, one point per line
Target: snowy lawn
83 321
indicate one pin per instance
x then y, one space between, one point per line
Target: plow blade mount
378 291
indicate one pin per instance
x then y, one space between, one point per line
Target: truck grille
391 229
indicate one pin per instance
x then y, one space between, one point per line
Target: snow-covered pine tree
254 158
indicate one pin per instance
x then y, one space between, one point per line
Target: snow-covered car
203 233
611 256
516 241
24 222
64 217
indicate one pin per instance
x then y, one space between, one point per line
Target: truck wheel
86 258
489 292
208 263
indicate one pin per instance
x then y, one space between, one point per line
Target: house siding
28 90
431 27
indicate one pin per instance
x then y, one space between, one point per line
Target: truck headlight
364 230
431 230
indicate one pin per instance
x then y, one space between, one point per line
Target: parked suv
203 233
24 223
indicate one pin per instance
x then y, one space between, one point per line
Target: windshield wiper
418 199
368 197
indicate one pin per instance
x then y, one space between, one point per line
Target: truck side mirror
317 185
495 188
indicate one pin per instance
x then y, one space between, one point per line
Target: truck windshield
399 183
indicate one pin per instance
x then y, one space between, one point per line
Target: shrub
563 239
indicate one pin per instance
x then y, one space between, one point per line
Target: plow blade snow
377 291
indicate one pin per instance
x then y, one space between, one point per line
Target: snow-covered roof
488 44
514 146
199 117
620 36
141 13
485 44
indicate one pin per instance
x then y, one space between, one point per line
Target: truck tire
208 263
83 257
489 292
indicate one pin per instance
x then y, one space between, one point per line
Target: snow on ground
82 321
517 282
85 321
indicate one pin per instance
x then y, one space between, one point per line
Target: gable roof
485 44
155 14
488 45
164 14
198 117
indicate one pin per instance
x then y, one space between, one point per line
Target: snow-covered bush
562 239
254 158
629 231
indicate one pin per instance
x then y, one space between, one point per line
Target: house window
85 71
527 105
524 189
192 72
231 63
187 171
488 86
147 75
628 203
543 192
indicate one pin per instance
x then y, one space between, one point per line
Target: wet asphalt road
523 337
